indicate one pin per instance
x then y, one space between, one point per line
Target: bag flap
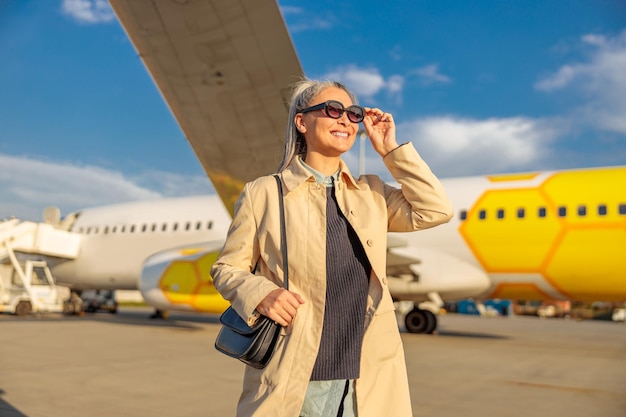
233 320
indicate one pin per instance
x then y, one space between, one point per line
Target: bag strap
283 234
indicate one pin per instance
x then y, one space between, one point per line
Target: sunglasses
334 109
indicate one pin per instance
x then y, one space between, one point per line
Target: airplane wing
224 68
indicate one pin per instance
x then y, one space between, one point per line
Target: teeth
342 134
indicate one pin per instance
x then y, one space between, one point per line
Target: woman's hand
381 129
281 306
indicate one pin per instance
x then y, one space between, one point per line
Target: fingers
376 116
281 306
381 129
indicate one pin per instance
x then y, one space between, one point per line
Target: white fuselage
497 245
116 240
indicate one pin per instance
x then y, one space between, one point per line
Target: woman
340 351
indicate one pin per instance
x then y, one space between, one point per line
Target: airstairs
25 281
37 238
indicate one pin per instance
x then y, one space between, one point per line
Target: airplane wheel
23 308
70 308
420 321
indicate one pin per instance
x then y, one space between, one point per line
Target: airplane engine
450 277
179 279
425 279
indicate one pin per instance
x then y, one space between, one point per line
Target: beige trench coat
372 208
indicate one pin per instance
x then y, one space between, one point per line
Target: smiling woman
339 352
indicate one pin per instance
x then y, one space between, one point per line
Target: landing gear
159 314
420 321
420 317
73 305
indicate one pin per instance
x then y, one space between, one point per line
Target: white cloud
171 184
291 10
366 82
304 21
88 11
30 185
454 146
558 80
601 80
430 74
457 146
395 83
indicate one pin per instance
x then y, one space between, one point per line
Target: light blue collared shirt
324 397
320 178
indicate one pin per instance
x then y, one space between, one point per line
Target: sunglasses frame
324 106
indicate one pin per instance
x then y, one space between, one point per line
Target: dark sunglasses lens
334 109
355 114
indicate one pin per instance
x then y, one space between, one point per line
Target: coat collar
296 174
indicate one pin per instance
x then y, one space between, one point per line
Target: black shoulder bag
254 345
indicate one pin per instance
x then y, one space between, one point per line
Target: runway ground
128 365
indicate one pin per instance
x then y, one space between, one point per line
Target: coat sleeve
232 272
421 202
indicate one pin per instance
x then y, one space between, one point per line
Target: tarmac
129 365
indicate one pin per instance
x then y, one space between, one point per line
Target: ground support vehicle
26 283
28 288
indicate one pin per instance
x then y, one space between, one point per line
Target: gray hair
303 92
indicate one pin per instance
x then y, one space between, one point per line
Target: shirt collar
297 173
320 178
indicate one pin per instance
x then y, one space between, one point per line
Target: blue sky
479 87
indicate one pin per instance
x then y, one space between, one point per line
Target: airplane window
582 211
164 227
88 230
80 230
622 209
482 214
96 230
132 228
123 229
187 226
602 209
106 230
144 227
521 213
175 226
562 211
541 212
500 213
210 225
154 227
463 214
198 225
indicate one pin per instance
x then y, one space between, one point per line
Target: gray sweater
347 281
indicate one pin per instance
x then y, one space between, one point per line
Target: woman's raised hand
381 130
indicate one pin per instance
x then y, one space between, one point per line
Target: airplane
554 235
534 236
224 69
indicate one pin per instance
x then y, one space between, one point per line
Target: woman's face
325 135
